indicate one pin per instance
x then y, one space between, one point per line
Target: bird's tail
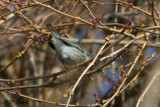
53 32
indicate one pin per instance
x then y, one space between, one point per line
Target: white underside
72 55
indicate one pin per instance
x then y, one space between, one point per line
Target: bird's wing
73 44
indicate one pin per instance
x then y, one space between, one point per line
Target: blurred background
23 22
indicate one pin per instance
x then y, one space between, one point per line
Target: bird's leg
78 67
65 66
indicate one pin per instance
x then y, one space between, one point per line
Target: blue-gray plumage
68 52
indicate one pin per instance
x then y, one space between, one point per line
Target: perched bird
68 52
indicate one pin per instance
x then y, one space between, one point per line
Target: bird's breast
72 55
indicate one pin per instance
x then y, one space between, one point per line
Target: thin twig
131 68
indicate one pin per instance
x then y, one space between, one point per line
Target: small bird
68 52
